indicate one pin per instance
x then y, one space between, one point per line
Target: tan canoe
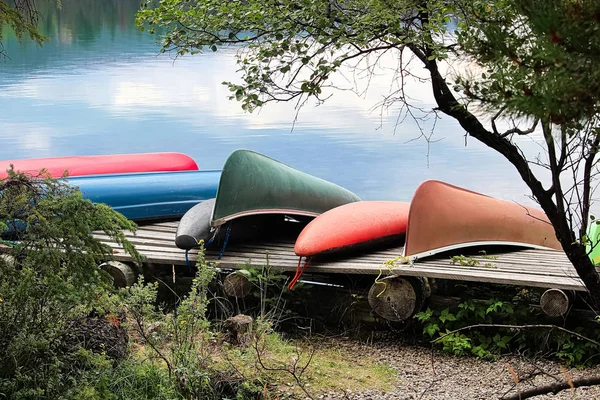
444 217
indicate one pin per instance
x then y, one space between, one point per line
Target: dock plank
537 268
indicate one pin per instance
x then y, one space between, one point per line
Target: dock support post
397 298
237 284
8 259
123 274
554 302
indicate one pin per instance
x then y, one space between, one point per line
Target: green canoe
594 238
255 184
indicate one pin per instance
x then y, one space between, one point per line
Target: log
123 275
397 298
554 303
237 284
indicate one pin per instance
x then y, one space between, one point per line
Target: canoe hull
444 217
103 164
253 184
195 225
150 196
353 227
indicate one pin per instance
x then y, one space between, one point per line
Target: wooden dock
536 268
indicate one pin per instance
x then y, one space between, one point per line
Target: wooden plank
169 224
158 228
375 257
428 271
531 267
544 256
373 267
158 246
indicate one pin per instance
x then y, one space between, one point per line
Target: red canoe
106 164
445 217
353 225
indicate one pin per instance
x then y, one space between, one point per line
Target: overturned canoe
104 164
152 195
194 226
252 184
354 226
444 217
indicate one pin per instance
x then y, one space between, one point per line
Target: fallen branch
555 388
517 327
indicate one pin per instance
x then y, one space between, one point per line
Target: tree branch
587 172
555 388
517 327
519 131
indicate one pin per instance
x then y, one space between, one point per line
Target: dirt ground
422 374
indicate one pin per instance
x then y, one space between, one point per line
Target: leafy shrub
183 342
445 329
50 280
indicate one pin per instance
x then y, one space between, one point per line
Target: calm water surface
100 87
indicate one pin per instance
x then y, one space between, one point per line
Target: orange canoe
444 217
353 225
104 164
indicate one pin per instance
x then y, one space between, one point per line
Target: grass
330 369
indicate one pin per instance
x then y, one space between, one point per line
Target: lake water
100 87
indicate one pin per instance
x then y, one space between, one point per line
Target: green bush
50 281
182 339
133 379
445 329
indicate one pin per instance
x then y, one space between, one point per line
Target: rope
299 272
212 239
225 242
295 278
187 260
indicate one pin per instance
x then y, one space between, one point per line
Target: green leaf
445 315
424 316
431 329
239 95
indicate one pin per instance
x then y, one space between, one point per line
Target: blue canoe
150 196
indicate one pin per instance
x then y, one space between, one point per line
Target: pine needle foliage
49 277
541 59
21 17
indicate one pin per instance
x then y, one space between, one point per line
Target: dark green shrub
51 284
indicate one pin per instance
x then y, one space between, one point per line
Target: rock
236 329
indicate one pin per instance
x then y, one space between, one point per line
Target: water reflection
99 87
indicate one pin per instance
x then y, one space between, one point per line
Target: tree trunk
448 104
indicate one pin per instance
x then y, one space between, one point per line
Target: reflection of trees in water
84 19
81 28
